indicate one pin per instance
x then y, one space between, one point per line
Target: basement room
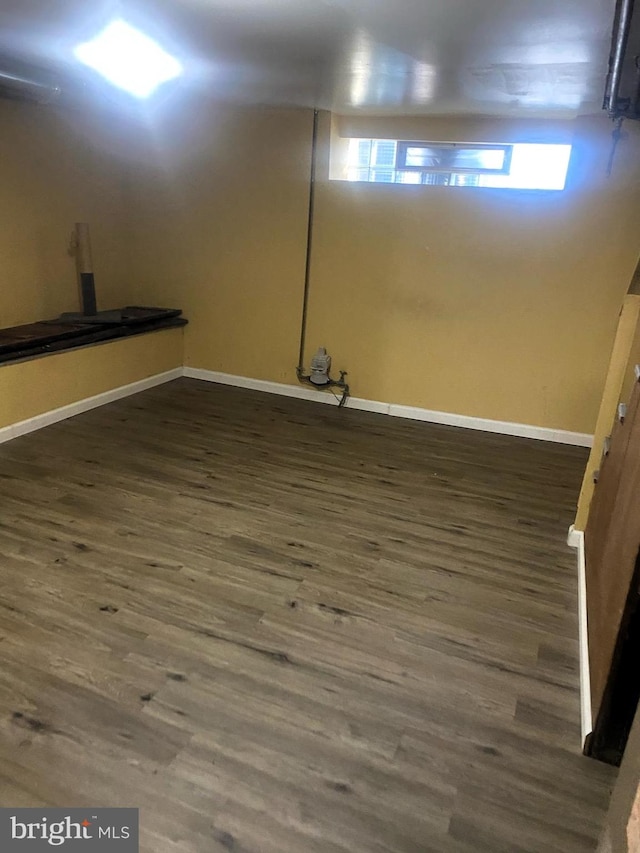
320 426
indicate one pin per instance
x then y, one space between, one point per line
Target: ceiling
492 57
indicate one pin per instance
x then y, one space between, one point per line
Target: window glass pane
532 167
423 157
408 178
358 174
434 157
382 176
462 180
363 154
436 179
478 158
383 153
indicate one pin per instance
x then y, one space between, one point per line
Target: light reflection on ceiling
534 57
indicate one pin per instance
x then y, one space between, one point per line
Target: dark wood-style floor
278 627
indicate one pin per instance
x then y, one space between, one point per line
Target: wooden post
84 264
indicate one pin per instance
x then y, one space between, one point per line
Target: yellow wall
495 304
219 219
59 166
489 303
52 174
39 385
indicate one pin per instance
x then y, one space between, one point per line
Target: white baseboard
304 393
301 393
64 412
558 436
575 539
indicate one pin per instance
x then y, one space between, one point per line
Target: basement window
521 166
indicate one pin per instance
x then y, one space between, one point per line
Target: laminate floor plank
278 627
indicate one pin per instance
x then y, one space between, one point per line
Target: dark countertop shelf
52 336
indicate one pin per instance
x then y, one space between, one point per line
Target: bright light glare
129 59
534 167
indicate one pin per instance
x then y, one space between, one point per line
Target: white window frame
448 168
